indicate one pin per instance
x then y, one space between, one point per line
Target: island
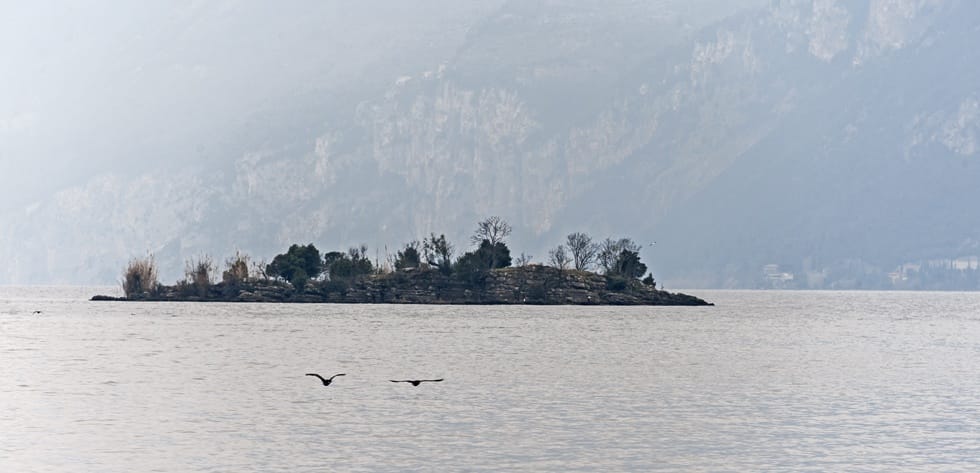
580 272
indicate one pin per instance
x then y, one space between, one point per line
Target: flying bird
415 382
36 312
326 381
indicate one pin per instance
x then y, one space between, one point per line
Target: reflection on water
763 381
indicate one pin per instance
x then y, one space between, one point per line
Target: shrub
348 265
487 256
335 286
409 258
438 252
237 270
649 281
616 283
140 277
470 268
199 275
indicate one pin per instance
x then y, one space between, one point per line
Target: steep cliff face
82 232
766 137
869 165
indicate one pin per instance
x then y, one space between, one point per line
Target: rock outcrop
535 284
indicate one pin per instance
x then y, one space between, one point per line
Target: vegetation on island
579 270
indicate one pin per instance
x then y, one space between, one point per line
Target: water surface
764 381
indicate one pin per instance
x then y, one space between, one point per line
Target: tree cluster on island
304 267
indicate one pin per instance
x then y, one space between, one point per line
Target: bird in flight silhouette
326 381
36 312
415 382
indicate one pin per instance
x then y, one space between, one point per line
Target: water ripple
762 382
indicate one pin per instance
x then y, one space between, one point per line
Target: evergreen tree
409 257
438 252
297 265
492 232
348 265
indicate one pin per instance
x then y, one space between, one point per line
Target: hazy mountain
836 139
126 86
861 152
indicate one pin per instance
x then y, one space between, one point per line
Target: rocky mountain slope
813 134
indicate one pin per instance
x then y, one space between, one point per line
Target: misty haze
796 144
489 235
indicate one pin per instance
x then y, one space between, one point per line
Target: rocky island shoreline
423 272
532 285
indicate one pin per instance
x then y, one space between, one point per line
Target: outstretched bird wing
431 380
399 381
338 374
314 374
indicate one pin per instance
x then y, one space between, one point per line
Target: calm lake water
764 381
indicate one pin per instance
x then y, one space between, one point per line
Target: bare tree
607 255
583 251
558 257
609 252
258 269
494 229
522 260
